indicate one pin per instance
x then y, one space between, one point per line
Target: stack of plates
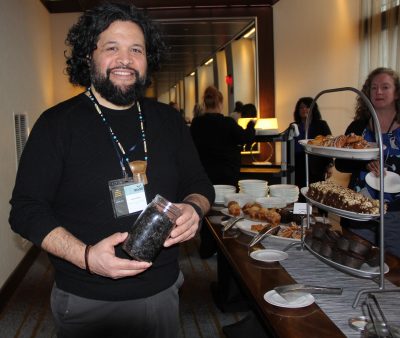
288 192
222 190
255 188
271 202
240 198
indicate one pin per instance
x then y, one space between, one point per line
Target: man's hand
186 225
102 259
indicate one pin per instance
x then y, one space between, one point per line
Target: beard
120 96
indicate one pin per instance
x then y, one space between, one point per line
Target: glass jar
151 229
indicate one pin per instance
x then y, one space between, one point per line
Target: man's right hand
103 261
101 257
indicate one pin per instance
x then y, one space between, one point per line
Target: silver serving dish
348 214
365 271
356 154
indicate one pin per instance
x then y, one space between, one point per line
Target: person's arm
243 136
97 259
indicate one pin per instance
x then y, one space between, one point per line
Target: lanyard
117 145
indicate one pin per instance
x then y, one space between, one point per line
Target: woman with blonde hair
219 140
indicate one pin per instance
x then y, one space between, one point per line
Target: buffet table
328 316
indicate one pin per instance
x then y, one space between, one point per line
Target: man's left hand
186 225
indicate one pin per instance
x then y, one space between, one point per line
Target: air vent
21 133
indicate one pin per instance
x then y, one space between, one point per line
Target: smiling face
383 92
119 65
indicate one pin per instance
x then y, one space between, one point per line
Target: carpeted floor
28 315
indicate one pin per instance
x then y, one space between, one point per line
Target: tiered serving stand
374 153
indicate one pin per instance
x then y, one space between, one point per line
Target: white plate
364 154
245 227
269 255
391 182
348 214
274 298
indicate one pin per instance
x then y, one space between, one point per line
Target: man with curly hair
78 193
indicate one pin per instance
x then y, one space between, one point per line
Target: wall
243 71
190 95
60 24
26 85
316 48
221 85
320 52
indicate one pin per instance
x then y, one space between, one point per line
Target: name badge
127 196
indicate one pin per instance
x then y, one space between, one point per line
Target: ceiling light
249 33
192 73
209 61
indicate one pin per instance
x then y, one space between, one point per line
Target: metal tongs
263 233
292 292
231 222
374 318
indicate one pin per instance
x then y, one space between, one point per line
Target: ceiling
193 29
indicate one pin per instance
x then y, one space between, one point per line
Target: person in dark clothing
320 168
382 87
249 110
78 152
237 111
218 139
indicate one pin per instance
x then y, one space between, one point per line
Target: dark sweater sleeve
242 136
36 183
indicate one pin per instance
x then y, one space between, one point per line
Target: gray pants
153 317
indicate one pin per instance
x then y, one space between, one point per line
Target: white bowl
221 191
271 202
244 182
240 198
254 193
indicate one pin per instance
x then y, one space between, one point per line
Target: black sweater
63 179
218 139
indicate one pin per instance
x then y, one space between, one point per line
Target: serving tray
344 213
366 271
357 154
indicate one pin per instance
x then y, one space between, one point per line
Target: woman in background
320 168
219 140
382 87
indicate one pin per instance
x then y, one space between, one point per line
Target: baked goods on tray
351 141
292 230
336 196
255 211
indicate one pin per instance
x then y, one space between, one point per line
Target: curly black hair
84 35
